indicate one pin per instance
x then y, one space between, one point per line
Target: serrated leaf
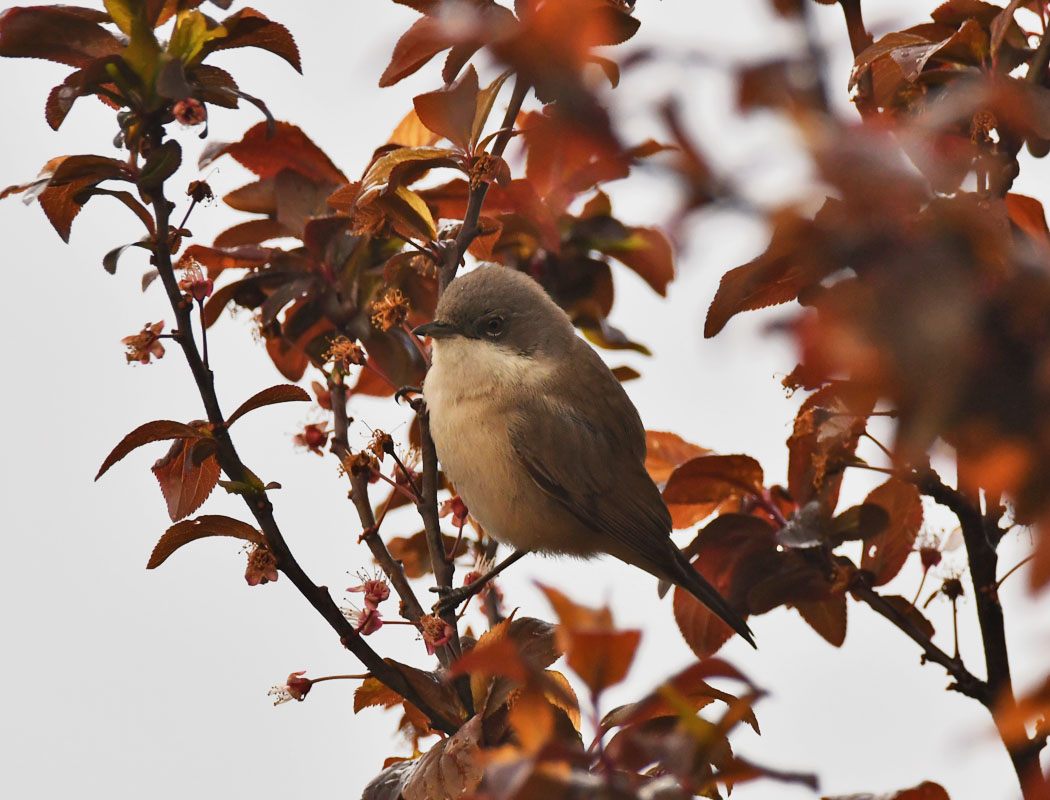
156 431
282 393
184 483
190 530
886 552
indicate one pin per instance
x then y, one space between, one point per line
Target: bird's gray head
502 307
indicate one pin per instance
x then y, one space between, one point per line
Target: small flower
199 191
363 461
342 353
457 508
482 567
381 444
295 688
194 283
390 310
932 547
436 632
366 621
262 565
145 344
374 587
312 437
189 112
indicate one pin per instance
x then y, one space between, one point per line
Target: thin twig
965 681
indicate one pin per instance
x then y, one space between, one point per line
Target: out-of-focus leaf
714 478
451 769
414 555
648 252
411 132
190 530
594 649
904 607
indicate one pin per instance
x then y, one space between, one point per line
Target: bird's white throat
463 368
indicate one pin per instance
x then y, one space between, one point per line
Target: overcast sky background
126 683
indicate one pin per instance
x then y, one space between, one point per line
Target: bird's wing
585 447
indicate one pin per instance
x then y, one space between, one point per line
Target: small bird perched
540 440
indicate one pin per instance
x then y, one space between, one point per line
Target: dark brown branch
981 541
469 230
392 568
258 503
965 681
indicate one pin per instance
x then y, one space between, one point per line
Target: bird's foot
405 391
452 599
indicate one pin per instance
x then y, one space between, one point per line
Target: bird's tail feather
693 582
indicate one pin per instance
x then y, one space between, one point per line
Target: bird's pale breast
472 393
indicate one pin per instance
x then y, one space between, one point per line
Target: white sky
123 683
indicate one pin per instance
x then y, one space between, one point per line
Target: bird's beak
436 330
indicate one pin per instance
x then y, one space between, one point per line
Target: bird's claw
405 391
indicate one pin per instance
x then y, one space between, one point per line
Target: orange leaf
157 431
886 552
597 652
411 132
184 481
190 530
288 148
666 451
1028 215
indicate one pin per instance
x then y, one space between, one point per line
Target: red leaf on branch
664 452
156 431
288 148
886 551
282 393
189 530
185 478
66 34
250 28
449 112
826 617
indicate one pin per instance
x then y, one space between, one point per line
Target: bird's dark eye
493 326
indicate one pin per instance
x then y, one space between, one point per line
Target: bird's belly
474 448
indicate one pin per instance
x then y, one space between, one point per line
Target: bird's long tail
697 585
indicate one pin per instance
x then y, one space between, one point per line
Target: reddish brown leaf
734 552
288 148
648 252
449 112
250 28
905 607
788 265
282 393
421 42
190 530
184 480
886 552
712 479
451 769
68 35
413 553
250 232
156 431
826 617
1028 215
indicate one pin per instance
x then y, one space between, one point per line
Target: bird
538 437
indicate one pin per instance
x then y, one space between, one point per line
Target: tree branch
965 681
258 503
411 608
469 230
